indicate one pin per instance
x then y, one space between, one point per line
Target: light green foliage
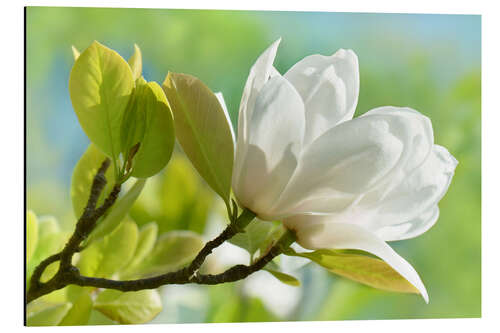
50 241
108 255
157 143
285 278
230 305
176 199
134 118
202 129
258 235
83 176
31 234
172 251
367 270
50 316
135 62
118 212
131 307
100 85
79 313
147 239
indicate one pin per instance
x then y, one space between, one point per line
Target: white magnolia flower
337 182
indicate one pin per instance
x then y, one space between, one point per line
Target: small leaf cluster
128 252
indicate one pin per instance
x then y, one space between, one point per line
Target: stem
69 274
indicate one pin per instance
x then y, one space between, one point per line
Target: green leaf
285 278
31 234
47 225
135 62
172 251
100 85
149 122
110 254
363 269
203 130
176 199
255 235
83 176
145 244
75 51
50 241
79 314
50 316
134 119
118 212
136 307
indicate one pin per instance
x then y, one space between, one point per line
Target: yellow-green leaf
148 122
50 316
79 314
255 235
135 307
146 242
135 62
172 251
118 212
83 176
31 234
100 85
108 255
364 269
285 278
202 129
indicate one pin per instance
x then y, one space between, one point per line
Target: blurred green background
431 63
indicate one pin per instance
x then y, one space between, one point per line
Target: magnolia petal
354 158
319 232
258 76
329 86
415 196
274 141
410 229
220 97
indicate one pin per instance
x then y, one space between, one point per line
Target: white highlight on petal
220 97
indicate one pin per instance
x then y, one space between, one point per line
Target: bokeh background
431 63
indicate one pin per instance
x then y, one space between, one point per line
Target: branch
235 273
69 274
84 226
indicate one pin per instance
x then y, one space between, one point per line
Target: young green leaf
202 129
364 269
50 241
255 235
285 278
135 307
51 316
135 62
110 254
157 142
146 242
83 176
79 314
31 234
172 251
118 212
100 85
134 119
